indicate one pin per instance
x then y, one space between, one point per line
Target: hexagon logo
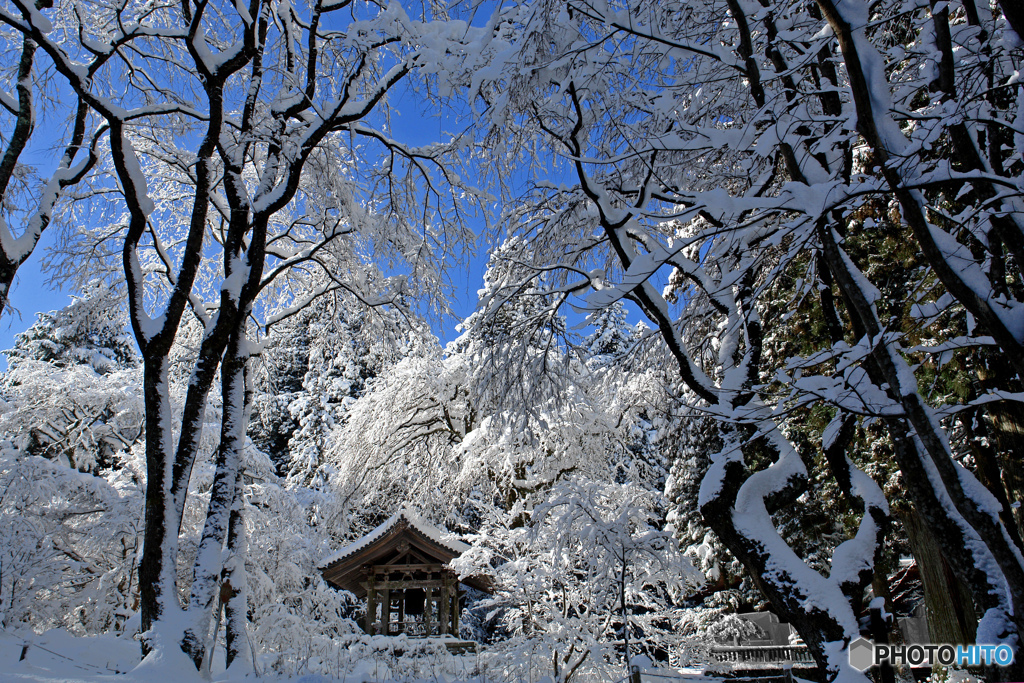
862 654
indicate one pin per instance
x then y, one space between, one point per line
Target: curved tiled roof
414 522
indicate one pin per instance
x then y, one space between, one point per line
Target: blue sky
29 295
416 124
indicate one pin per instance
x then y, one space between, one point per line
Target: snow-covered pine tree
513 312
694 439
91 330
612 336
278 373
316 364
340 361
72 388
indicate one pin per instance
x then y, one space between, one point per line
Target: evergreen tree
612 336
338 365
91 330
71 391
317 364
281 369
511 307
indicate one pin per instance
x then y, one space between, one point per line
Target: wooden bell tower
401 570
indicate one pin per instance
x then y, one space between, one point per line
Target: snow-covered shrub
358 656
560 655
952 674
68 545
732 629
589 572
695 643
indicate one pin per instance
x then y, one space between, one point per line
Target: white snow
415 521
133 169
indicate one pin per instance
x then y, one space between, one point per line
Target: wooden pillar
401 612
385 612
427 607
371 605
443 603
455 610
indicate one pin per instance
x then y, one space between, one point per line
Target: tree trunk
157 567
236 607
25 122
818 607
950 501
209 560
948 604
1005 425
625 614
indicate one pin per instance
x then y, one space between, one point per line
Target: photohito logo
864 654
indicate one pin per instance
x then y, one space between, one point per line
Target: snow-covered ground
60 657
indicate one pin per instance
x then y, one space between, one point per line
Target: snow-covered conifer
91 330
612 335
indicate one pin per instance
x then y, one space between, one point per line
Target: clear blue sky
415 124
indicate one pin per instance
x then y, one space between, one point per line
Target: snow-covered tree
68 545
589 582
718 148
72 415
92 330
71 477
402 438
252 155
344 354
315 365
612 335
431 430
72 392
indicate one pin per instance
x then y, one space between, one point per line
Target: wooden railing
761 654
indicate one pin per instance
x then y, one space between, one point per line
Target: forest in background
814 206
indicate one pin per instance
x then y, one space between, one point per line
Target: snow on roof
415 521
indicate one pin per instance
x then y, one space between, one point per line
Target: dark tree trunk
223 498
157 564
236 608
971 540
948 604
23 126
